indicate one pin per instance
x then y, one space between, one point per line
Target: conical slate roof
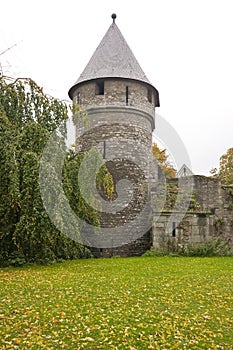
113 58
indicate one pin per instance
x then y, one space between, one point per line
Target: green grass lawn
134 303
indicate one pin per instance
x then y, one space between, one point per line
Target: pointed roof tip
114 16
113 58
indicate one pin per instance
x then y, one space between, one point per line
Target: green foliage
230 206
219 225
179 197
156 252
163 160
170 248
134 303
80 206
225 171
226 167
105 183
17 258
217 247
28 118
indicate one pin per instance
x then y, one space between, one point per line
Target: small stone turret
120 103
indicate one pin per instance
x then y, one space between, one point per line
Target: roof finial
113 17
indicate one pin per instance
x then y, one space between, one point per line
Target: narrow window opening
149 95
101 250
127 95
173 229
160 172
104 150
99 88
78 98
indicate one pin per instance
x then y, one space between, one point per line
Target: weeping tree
28 118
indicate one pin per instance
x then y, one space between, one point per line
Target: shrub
16 259
217 247
156 252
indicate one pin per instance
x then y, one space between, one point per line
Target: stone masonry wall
191 228
123 135
115 135
217 199
115 95
213 219
207 192
122 115
224 215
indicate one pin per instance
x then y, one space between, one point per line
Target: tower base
135 248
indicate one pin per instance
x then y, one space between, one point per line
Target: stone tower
120 102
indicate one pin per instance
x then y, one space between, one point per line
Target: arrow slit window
149 95
99 89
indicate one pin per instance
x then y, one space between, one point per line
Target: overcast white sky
185 47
